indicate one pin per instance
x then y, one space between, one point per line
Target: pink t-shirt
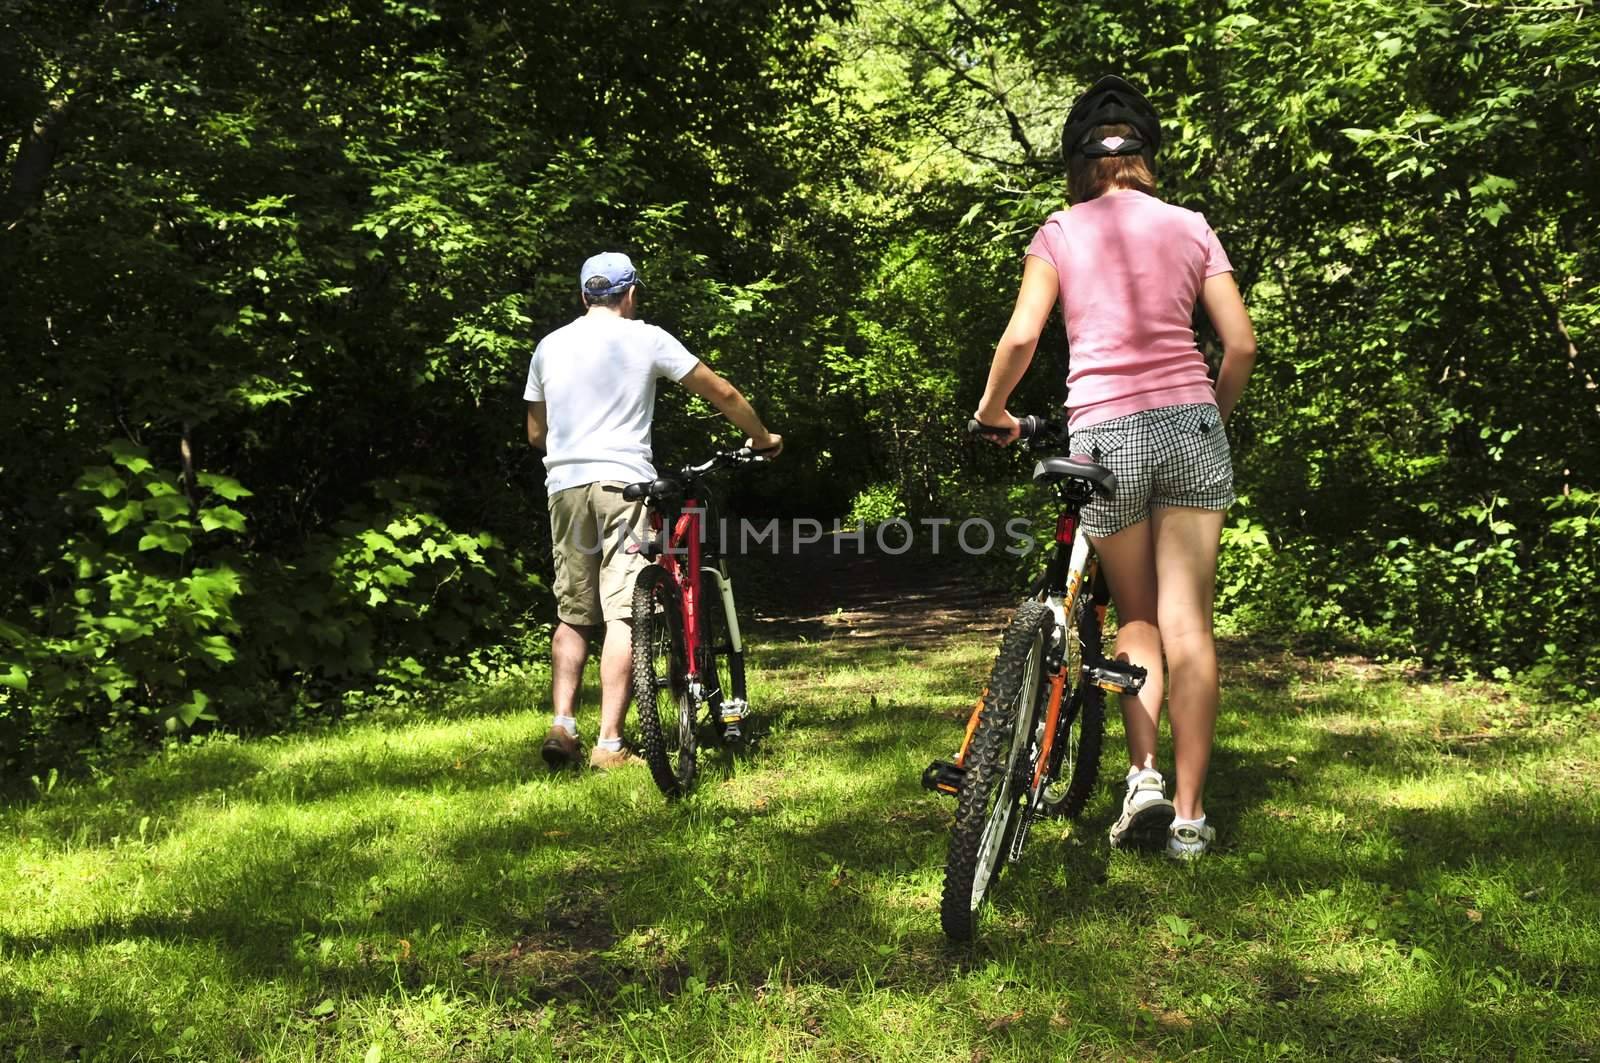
1131 268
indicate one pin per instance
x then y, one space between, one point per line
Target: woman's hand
1001 420
1225 308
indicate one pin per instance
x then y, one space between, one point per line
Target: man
591 398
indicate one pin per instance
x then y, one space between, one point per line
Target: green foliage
1401 191
308 252
141 615
160 616
876 504
387 587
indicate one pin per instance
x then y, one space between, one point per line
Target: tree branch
1558 326
34 159
994 92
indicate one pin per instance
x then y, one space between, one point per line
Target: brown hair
1088 178
600 283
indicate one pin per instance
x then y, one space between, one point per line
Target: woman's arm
1225 308
1014 353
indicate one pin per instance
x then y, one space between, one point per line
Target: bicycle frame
1044 700
1066 576
1071 567
1072 570
681 551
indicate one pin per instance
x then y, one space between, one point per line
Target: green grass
1405 870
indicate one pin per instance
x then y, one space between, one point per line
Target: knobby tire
660 674
996 767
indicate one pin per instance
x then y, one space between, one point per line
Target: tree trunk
34 159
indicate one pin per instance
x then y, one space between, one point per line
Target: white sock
1145 797
1179 821
567 724
1134 773
610 745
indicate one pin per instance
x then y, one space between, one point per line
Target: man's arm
538 427
702 381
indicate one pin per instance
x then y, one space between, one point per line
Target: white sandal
1146 812
1189 841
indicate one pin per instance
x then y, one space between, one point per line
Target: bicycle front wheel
661 681
994 791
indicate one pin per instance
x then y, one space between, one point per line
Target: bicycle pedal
731 733
943 777
733 711
1119 677
1021 835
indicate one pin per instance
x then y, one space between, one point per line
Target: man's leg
616 678
1186 544
626 527
569 652
577 566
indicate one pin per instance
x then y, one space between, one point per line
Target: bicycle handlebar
1033 428
673 485
722 459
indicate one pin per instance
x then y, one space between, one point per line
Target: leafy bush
160 618
876 504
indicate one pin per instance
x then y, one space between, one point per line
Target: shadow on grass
836 886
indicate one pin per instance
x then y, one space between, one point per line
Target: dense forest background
270 274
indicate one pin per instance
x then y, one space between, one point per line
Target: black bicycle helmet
1111 101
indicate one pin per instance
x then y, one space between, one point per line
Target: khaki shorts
591 531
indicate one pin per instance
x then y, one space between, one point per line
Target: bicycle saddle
1077 467
659 489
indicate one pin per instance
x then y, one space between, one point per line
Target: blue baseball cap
607 273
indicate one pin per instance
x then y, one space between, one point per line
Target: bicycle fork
1118 677
734 706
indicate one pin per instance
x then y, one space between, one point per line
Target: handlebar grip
976 427
1027 427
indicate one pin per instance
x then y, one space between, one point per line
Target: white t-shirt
597 379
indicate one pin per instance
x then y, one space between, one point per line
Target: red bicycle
688 657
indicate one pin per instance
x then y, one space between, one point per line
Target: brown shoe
560 749
606 759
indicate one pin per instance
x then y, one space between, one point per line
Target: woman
1128 269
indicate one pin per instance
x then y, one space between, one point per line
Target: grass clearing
1405 870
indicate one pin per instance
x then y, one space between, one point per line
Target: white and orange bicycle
1032 744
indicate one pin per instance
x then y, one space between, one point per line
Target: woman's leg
1129 561
1186 542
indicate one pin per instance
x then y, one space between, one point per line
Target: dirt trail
846 593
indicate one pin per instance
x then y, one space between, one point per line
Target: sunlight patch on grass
1392 877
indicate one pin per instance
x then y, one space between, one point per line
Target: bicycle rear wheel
994 790
661 683
1075 756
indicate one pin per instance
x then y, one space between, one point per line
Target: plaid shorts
1168 456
